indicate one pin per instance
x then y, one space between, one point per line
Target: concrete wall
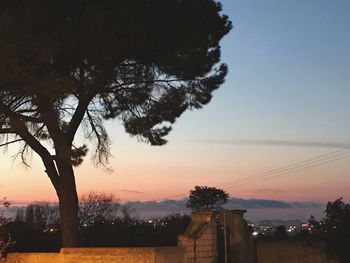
290 252
103 255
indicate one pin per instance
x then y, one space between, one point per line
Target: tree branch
7 130
13 114
77 117
10 142
45 155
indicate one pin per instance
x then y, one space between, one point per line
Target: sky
285 100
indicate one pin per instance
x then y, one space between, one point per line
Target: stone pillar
200 238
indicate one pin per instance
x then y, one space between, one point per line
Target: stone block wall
200 238
198 244
34 258
103 255
169 255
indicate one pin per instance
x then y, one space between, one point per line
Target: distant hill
257 209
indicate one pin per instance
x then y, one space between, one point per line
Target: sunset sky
286 99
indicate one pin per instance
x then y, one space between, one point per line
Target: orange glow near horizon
288 80
144 173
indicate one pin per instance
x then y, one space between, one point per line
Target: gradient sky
289 76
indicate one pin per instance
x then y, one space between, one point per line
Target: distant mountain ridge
266 203
233 203
257 209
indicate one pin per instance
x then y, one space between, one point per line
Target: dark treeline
103 223
35 228
333 230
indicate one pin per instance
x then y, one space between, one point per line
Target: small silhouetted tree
127 213
5 238
46 215
204 198
97 207
40 214
19 215
336 225
3 219
315 225
68 64
29 214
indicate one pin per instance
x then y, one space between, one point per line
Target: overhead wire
276 172
296 169
317 160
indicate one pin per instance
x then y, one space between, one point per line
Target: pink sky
288 80
142 172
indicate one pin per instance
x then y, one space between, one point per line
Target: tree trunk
68 204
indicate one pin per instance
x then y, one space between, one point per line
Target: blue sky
289 71
289 77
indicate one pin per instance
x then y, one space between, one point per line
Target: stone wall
199 239
102 255
34 258
285 251
199 244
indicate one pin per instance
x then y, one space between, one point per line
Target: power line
287 169
298 165
290 171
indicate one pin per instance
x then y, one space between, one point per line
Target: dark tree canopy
334 230
68 64
144 62
204 198
336 225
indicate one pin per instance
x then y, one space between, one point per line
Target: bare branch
13 114
98 131
10 142
41 151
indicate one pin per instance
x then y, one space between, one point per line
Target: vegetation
103 222
281 233
5 203
69 64
5 241
121 231
204 198
97 208
336 228
333 230
133 232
